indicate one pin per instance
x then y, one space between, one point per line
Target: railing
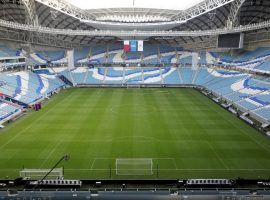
197 33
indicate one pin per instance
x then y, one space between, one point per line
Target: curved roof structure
149 4
59 14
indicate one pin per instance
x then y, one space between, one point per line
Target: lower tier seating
242 89
28 87
7 110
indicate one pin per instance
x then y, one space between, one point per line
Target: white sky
164 4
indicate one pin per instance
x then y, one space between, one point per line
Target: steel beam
30 12
36 39
233 17
195 33
201 8
180 17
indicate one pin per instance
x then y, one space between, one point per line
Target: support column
233 18
31 18
70 58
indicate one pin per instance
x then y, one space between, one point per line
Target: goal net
37 174
134 86
134 166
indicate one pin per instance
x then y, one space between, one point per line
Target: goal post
37 174
134 166
133 86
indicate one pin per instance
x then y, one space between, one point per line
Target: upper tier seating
53 56
133 57
6 51
256 60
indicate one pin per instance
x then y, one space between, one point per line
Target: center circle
129 109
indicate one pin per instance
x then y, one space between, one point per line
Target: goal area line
134 166
40 173
165 169
180 169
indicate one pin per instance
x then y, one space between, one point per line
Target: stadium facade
218 47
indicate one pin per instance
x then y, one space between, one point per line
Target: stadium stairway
161 76
85 77
65 80
142 75
172 76
105 75
195 75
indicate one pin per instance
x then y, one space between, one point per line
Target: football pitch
182 132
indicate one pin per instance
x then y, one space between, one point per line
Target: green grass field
185 134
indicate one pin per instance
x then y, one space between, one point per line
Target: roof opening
155 4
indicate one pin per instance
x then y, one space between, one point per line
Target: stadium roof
158 4
56 14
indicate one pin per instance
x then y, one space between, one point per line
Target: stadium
134 99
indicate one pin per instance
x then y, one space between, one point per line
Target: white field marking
49 155
29 126
91 168
121 139
175 165
131 105
138 137
219 158
109 158
217 155
153 109
254 140
158 140
114 158
162 169
178 169
265 148
160 91
112 109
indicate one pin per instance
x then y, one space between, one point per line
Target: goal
37 174
134 166
133 86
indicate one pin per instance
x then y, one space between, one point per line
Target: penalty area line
176 169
